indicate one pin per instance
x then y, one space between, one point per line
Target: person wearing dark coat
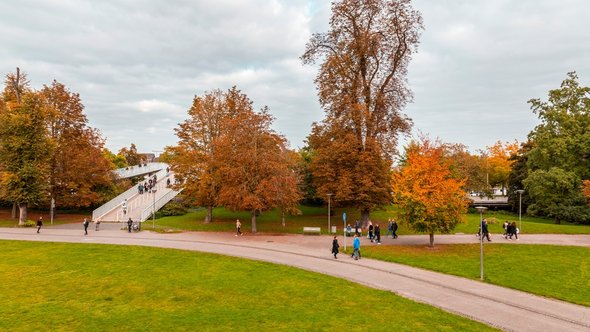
86 223
39 224
335 247
394 229
129 224
377 234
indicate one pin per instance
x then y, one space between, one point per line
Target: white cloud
138 64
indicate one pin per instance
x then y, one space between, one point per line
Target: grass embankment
61 217
270 222
553 271
59 286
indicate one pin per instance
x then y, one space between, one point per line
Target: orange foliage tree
499 163
429 197
228 155
255 168
79 170
192 159
362 88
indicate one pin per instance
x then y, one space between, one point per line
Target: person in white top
238 227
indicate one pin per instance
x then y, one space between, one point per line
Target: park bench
351 233
311 230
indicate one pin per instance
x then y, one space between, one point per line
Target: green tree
557 193
559 156
563 137
24 146
117 160
362 88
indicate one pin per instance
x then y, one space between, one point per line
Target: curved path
497 306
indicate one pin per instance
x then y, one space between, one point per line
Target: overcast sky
138 64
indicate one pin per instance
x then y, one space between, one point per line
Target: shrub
173 208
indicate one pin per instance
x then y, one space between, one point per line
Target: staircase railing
128 194
158 204
136 170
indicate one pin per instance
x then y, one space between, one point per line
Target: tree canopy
362 88
429 197
557 155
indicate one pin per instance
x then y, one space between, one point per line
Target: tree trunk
365 217
14 205
431 240
209 215
253 221
23 213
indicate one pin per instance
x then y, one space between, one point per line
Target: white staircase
139 206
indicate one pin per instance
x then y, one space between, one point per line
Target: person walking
389 227
515 231
129 224
335 247
394 229
370 235
96 225
85 224
505 227
39 224
238 227
356 245
484 230
124 206
377 234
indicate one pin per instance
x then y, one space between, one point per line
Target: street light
154 209
329 210
480 209
520 191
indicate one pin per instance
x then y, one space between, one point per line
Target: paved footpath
500 307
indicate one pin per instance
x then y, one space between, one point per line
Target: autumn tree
24 145
362 88
192 159
130 154
250 159
287 184
468 166
429 197
78 168
498 163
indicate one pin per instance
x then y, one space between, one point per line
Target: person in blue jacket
356 245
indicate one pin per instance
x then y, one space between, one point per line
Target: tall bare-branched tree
363 90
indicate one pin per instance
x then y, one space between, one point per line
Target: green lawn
86 287
269 222
553 271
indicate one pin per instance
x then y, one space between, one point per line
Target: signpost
344 228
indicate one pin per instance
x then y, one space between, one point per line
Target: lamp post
154 209
520 191
329 210
480 209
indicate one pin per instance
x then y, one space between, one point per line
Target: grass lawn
86 287
553 271
269 222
